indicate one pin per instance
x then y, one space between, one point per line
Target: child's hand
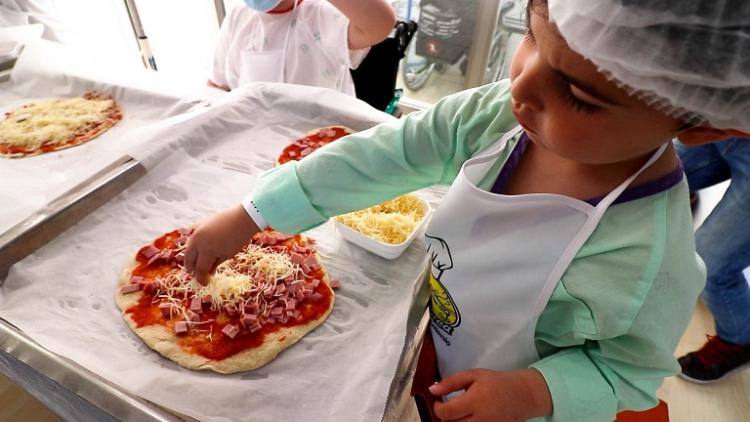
217 238
493 396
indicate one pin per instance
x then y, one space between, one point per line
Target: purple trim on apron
510 164
650 188
630 194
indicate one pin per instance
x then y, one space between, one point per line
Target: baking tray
64 211
75 393
72 392
78 393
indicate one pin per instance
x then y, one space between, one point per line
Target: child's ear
705 135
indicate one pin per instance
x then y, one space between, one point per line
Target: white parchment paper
62 295
47 70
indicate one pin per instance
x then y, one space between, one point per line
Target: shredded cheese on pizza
236 281
53 122
274 283
390 222
252 270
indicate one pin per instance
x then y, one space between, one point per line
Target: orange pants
660 413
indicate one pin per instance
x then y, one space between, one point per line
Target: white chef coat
306 46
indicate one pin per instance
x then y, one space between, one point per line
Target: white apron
495 261
302 57
268 65
261 66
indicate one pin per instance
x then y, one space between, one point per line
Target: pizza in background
255 304
310 141
52 125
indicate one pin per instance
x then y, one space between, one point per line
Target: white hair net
689 58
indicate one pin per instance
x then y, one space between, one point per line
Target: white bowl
385 250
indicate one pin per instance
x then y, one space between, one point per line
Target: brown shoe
715 360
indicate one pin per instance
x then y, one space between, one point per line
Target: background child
310 42
723 241
563 269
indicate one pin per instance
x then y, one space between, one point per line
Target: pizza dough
161 335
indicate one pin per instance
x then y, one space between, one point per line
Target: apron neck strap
612 196
580 238
607 200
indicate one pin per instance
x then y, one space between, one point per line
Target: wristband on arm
253 212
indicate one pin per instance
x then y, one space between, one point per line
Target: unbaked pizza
310 141
255 304
52 125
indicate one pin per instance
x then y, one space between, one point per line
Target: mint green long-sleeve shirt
606 338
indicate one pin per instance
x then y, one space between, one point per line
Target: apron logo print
444 313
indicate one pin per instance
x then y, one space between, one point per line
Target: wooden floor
16 405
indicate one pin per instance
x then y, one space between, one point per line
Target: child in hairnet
562 263
304 42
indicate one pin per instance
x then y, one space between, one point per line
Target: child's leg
723 241
425 375
704 165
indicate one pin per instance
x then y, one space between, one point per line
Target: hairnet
689 58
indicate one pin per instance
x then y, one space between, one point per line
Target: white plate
385 250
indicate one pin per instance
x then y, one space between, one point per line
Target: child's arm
364 169
210 84
370 21
369 167
595 381
493 396
584 383
217 78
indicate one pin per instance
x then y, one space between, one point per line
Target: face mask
262 5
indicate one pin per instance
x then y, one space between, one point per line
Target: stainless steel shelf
66 210
69 390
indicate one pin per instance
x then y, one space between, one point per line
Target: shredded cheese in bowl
390 222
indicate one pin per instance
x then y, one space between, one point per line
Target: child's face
568 107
